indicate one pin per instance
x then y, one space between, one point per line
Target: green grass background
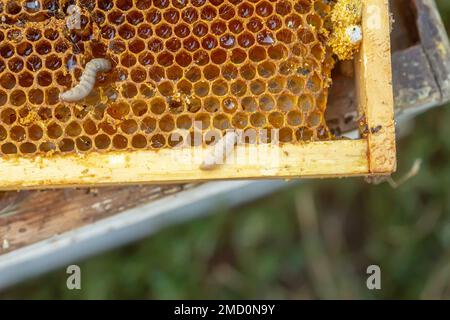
310 241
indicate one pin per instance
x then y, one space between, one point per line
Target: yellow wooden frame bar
374 86
374 154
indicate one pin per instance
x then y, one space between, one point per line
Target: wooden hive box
372 154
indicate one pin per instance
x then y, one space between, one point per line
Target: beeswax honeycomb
242 64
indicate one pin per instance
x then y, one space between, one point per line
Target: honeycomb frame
372 154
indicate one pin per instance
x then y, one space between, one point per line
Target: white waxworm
73 21
87 80
220 151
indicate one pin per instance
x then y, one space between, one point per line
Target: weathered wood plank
435 41
33 216
415 86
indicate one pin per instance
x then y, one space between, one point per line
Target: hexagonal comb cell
242 64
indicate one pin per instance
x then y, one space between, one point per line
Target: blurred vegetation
311 241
